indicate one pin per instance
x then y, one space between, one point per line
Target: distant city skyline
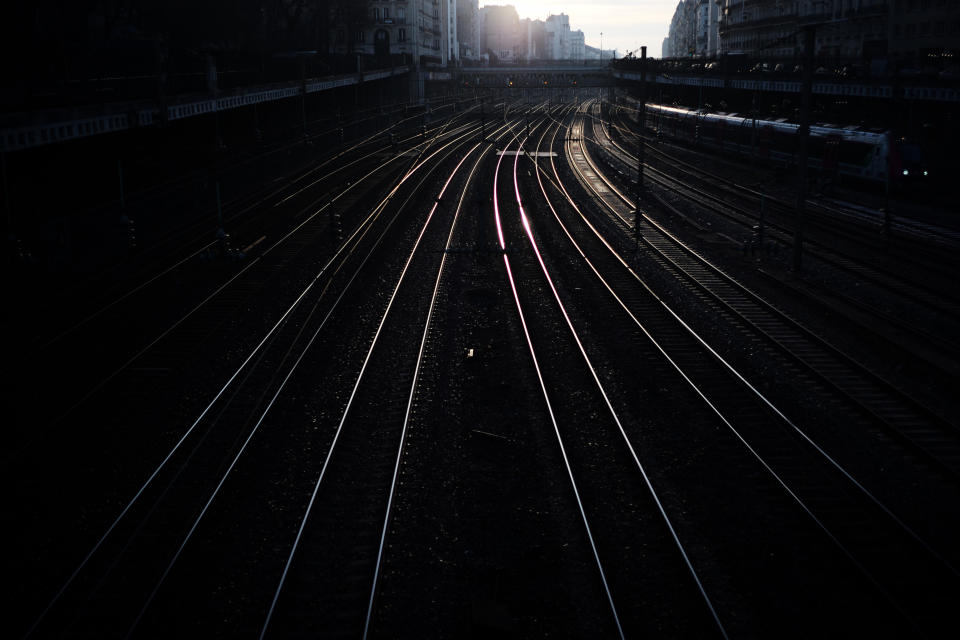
626 24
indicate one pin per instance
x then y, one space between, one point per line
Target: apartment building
561 42
846 29
418 28
468 29
925 33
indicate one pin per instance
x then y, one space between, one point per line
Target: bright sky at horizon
626 24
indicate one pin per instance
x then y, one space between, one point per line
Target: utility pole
641 149
886 188
483 122
123 201
8 210
809 39
753 131
642 115
303 96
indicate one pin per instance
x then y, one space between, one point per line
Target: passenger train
849 151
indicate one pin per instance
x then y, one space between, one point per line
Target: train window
785 142
854 152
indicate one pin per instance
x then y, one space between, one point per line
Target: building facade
707 34
468 29
925 34
694 30
501 37
683 30
845 29
452 32
561 42
418 29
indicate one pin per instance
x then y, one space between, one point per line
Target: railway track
468 403
900 413
926 252
120 337
852 212
243 215
161 244
895 323
502 560
219 430
793 460
620 507
343 531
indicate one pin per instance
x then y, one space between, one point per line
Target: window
361 36
386 12
376 13
402 35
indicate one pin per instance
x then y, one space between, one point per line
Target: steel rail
850 361
220 289
528 228
258 200
546 396
918 291
346 412
273 399
416 375
833 462
361 230
557 183
828 205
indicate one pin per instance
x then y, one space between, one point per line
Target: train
855 152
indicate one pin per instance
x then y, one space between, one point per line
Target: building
578 46
558 42
501 36
594 53
707 34
507 38
537 40
924 34
665 48
683 30
418 29
452 33
468 29
561 42
847 30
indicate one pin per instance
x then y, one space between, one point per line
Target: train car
848 151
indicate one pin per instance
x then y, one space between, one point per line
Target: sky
625 24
